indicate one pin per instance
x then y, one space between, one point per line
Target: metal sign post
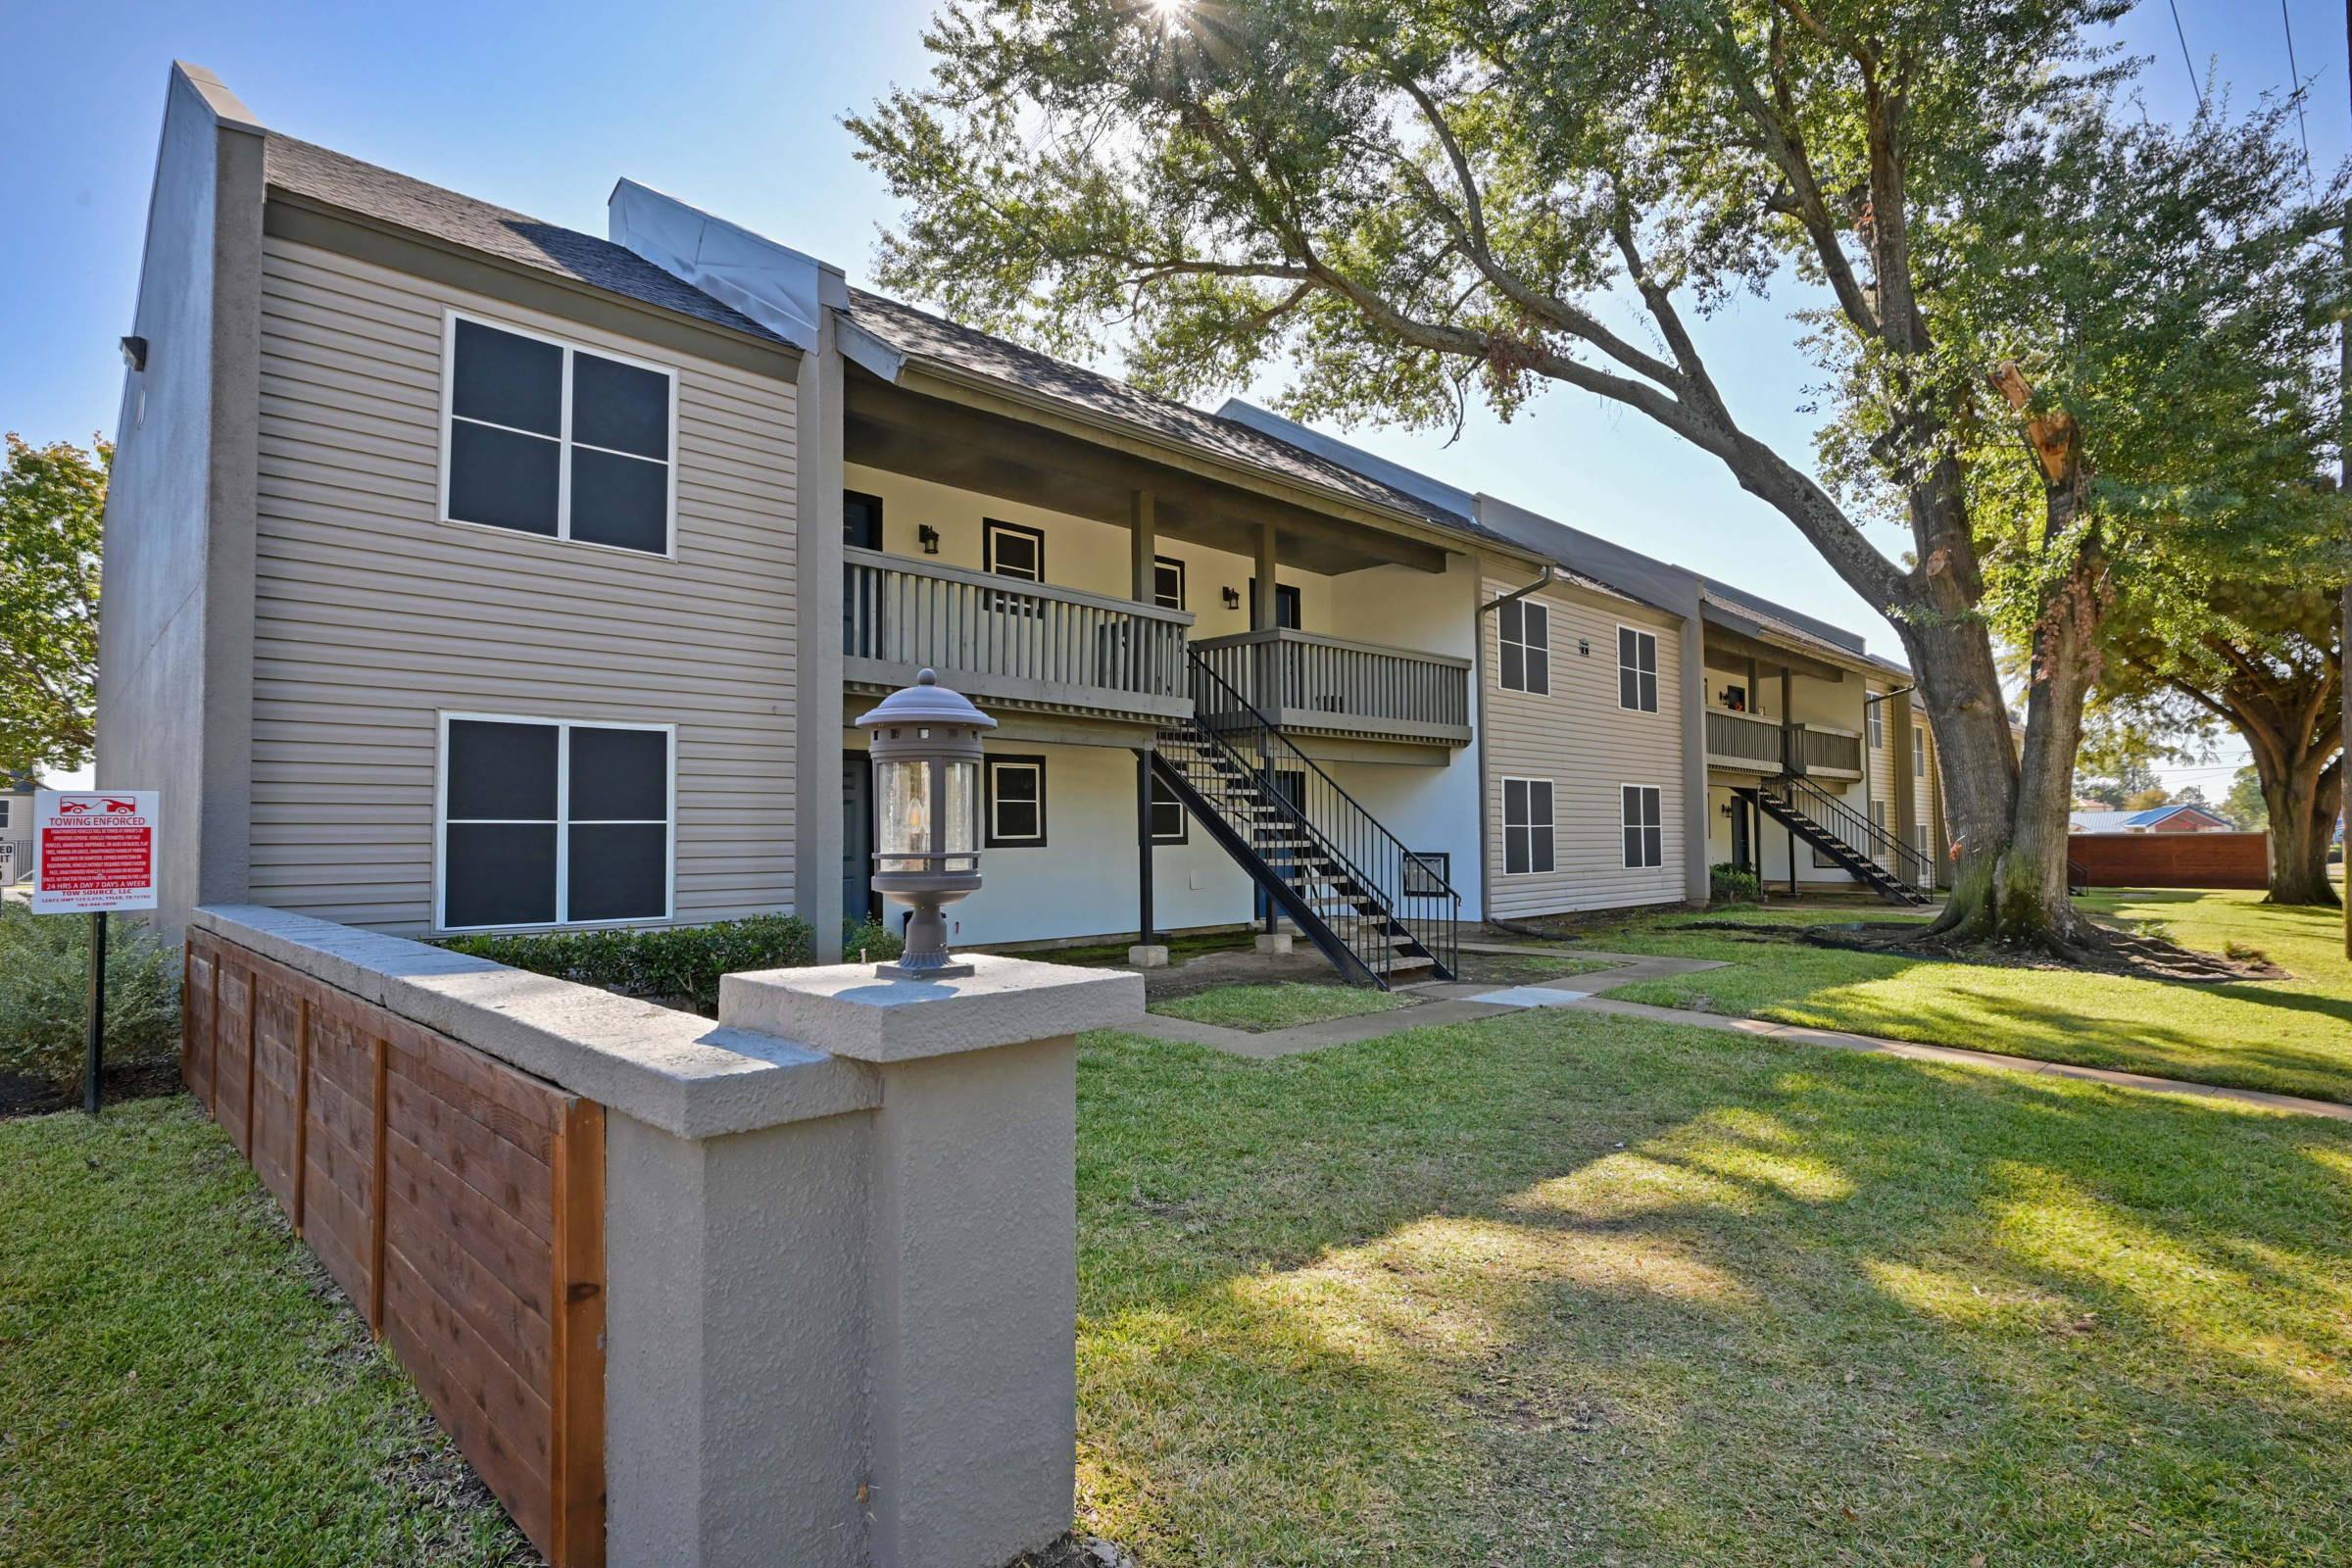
97 854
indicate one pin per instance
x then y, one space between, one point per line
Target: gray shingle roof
918 335
334 181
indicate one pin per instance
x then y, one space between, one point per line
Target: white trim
1659 790
563 821
1550 822
1656 682
451 316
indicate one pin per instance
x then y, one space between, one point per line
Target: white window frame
563 823
450 318
1874 719
1550 823
1656 678
1158 802
1623 824
1529 651
990 838
1161 564
1919 751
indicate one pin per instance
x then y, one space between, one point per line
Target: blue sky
735 106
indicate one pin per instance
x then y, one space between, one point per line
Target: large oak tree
1416 205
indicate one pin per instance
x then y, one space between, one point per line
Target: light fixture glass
925 745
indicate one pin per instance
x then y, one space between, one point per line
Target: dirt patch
2105 950
145 1078
1240 966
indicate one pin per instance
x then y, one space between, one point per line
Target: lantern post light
926 743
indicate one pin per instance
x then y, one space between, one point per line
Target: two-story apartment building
468 572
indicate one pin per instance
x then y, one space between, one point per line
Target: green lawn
1257 1008
179 1384
1563 1288
2290 1036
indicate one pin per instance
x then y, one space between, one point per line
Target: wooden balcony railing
1010 642
1745 741
1312 683
1815 749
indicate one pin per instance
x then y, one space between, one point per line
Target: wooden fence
458 1202
2171 859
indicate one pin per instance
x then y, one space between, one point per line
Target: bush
873 938
1731 884
684 962
45 989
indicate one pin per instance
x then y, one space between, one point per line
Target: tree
2258 658
52 499
2244 803
2148 799
1420 204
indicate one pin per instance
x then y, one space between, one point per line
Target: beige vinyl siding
372 617
1580 740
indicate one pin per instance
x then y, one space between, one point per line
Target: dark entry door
1742 840
857 894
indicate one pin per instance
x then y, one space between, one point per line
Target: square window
1011 549
1636 671
1014 809
545 438
1169 818
1527 826
545 823
1523 639
1167 582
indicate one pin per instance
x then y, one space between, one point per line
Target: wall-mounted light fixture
135 352
1233 599
928 537
1584 646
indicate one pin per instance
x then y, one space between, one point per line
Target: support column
816 868
1151 950
1696 797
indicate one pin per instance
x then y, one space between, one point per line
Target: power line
2195 83
2294 76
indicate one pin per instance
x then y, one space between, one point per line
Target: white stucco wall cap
847 1010
671 1069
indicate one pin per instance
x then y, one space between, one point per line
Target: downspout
1551 574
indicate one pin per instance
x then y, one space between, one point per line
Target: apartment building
468 572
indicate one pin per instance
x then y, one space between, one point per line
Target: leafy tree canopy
52 499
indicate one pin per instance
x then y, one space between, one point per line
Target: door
858 899
1742 845
1291 785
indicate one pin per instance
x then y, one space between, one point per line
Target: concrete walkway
1463 1002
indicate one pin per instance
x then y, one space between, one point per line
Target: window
1286 603
1644 834
549 439
1167 582
548 823
1919 752
1011 550
1734 699
861 520
4 808
1523 634
1014 810
1636 671
1874 719
1527 833
1427 873
1167 814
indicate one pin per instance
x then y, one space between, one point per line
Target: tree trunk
2303 805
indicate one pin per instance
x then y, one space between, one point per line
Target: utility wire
2294 76
2196 83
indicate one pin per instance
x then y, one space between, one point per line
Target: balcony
1748 743
1309 684
1009 643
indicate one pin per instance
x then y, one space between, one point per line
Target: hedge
683 962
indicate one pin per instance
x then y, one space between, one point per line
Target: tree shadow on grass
1550 1290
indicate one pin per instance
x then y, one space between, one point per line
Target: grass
179 1384
1279 1005
2288 1036
1564 1287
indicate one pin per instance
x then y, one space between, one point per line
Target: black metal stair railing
1372 905
1865 839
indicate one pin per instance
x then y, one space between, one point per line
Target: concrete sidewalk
1459 1003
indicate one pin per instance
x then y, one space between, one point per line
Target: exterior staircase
1888 866
1378 911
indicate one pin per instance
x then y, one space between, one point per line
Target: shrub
45 989
684 962
873 938
1731 884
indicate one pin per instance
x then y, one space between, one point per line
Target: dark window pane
1538 626
619 501
1012 553
1514 851
500 478
1508 622
499 873
1632 845
1649 692
1539 850
1016 819
619 775
1514 800
1286 608
1650 654
1167 584
1629 688
620 872
862 520
1654 841
619 406
1625 645
1016 783
1514 668
507 380
1538 672
1538 803
501 770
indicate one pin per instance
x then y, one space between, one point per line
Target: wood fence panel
458 1202
2172 859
